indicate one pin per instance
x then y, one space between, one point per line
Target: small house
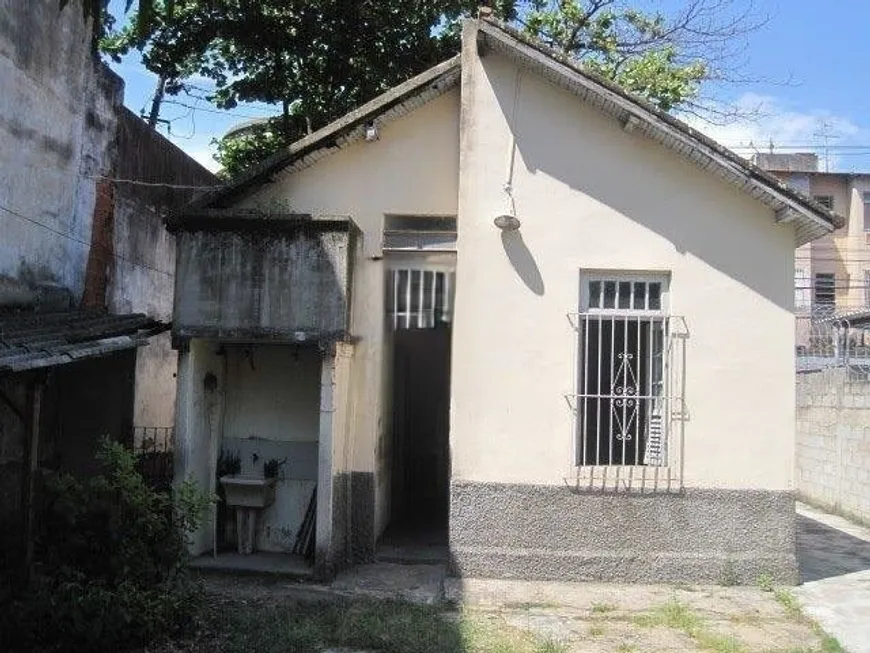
512 304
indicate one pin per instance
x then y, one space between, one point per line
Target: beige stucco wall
411 169
845 252
593 196
271 410
273 393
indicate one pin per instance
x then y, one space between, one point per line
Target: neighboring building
832 274
86 267
509 301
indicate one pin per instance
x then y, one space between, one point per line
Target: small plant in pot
272 467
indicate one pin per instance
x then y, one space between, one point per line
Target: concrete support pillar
333 479
325 553
199 425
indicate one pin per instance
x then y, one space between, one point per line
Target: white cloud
765 119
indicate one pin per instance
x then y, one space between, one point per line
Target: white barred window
623 403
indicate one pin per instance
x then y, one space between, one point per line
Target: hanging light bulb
507 222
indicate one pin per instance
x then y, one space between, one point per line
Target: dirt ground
513 616
592 618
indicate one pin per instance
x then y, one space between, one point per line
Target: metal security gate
419 298
629 383
419 305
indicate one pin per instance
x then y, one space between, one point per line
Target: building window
624 400
824 293
866 207
825 200
420 298
416 233
801 289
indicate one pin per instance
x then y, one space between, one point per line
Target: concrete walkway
834 558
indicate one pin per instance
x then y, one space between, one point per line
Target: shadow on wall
522 261
824 552
641 180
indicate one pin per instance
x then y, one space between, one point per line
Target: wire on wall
75 239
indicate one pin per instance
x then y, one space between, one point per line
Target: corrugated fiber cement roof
31 340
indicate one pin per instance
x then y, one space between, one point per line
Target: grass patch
789 602
676 616
383 626
719 643
748 618
489 634
597 630
765 582
672 614
626 648
602 608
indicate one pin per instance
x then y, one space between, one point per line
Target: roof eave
328 135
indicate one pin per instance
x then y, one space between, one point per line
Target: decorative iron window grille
629 372
419 298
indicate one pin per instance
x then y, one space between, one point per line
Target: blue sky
803 71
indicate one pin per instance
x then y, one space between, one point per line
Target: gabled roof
348 129
639 116
635 114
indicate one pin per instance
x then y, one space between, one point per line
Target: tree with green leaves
663 58
317 59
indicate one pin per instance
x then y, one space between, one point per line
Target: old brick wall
833 441
141 277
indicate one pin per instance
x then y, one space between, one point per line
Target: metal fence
831 342
154 447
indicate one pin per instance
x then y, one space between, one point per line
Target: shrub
110 563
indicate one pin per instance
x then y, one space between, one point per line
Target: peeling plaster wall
62 124
51 144
142 273
248 285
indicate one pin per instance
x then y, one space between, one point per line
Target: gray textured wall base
353 518
553 533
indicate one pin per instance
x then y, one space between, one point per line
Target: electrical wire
134 182
220 112
111 253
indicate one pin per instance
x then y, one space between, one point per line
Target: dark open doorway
421 410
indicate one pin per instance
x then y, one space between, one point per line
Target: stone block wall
833 441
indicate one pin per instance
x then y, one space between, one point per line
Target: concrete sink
248 491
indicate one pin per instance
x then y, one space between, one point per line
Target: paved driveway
834 558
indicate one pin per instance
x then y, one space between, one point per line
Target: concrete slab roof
240 219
